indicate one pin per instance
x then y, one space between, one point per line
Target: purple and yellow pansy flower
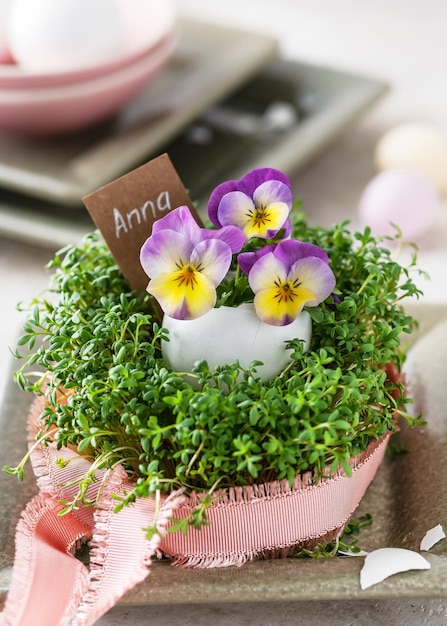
259 204
287 277
185 263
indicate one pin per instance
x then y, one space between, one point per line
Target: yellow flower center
186 275
286 291
261 217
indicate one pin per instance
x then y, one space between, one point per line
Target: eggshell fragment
385 562
225 335
401 197
432 537
417 146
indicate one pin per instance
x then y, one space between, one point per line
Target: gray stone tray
407 498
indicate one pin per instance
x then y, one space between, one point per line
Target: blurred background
334 92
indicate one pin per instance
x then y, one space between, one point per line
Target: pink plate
62 109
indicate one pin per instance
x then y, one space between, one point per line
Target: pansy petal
216 196
256 177
180 220
286 229
212 258
231 235
273 307
246 260
267 272
292 250
164 251
272 191
183 299
235 208
314 275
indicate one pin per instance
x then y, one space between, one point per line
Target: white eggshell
421 147
385 562
432 537
402 197
5 7
225 334
50 35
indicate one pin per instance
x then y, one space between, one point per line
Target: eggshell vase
228 334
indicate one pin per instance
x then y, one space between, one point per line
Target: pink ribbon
46 541
244 523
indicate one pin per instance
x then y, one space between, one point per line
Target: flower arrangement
187 263
113 395
247 259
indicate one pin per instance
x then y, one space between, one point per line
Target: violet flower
185 263
286 278
259 203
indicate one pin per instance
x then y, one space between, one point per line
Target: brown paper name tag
125 210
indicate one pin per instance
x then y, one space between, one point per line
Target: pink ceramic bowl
147 22
66 108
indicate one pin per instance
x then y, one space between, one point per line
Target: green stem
364 284
194 457
19 469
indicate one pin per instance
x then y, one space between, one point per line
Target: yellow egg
417 146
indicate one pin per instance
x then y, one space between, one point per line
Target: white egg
226 334
417 146
58 35
5 7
